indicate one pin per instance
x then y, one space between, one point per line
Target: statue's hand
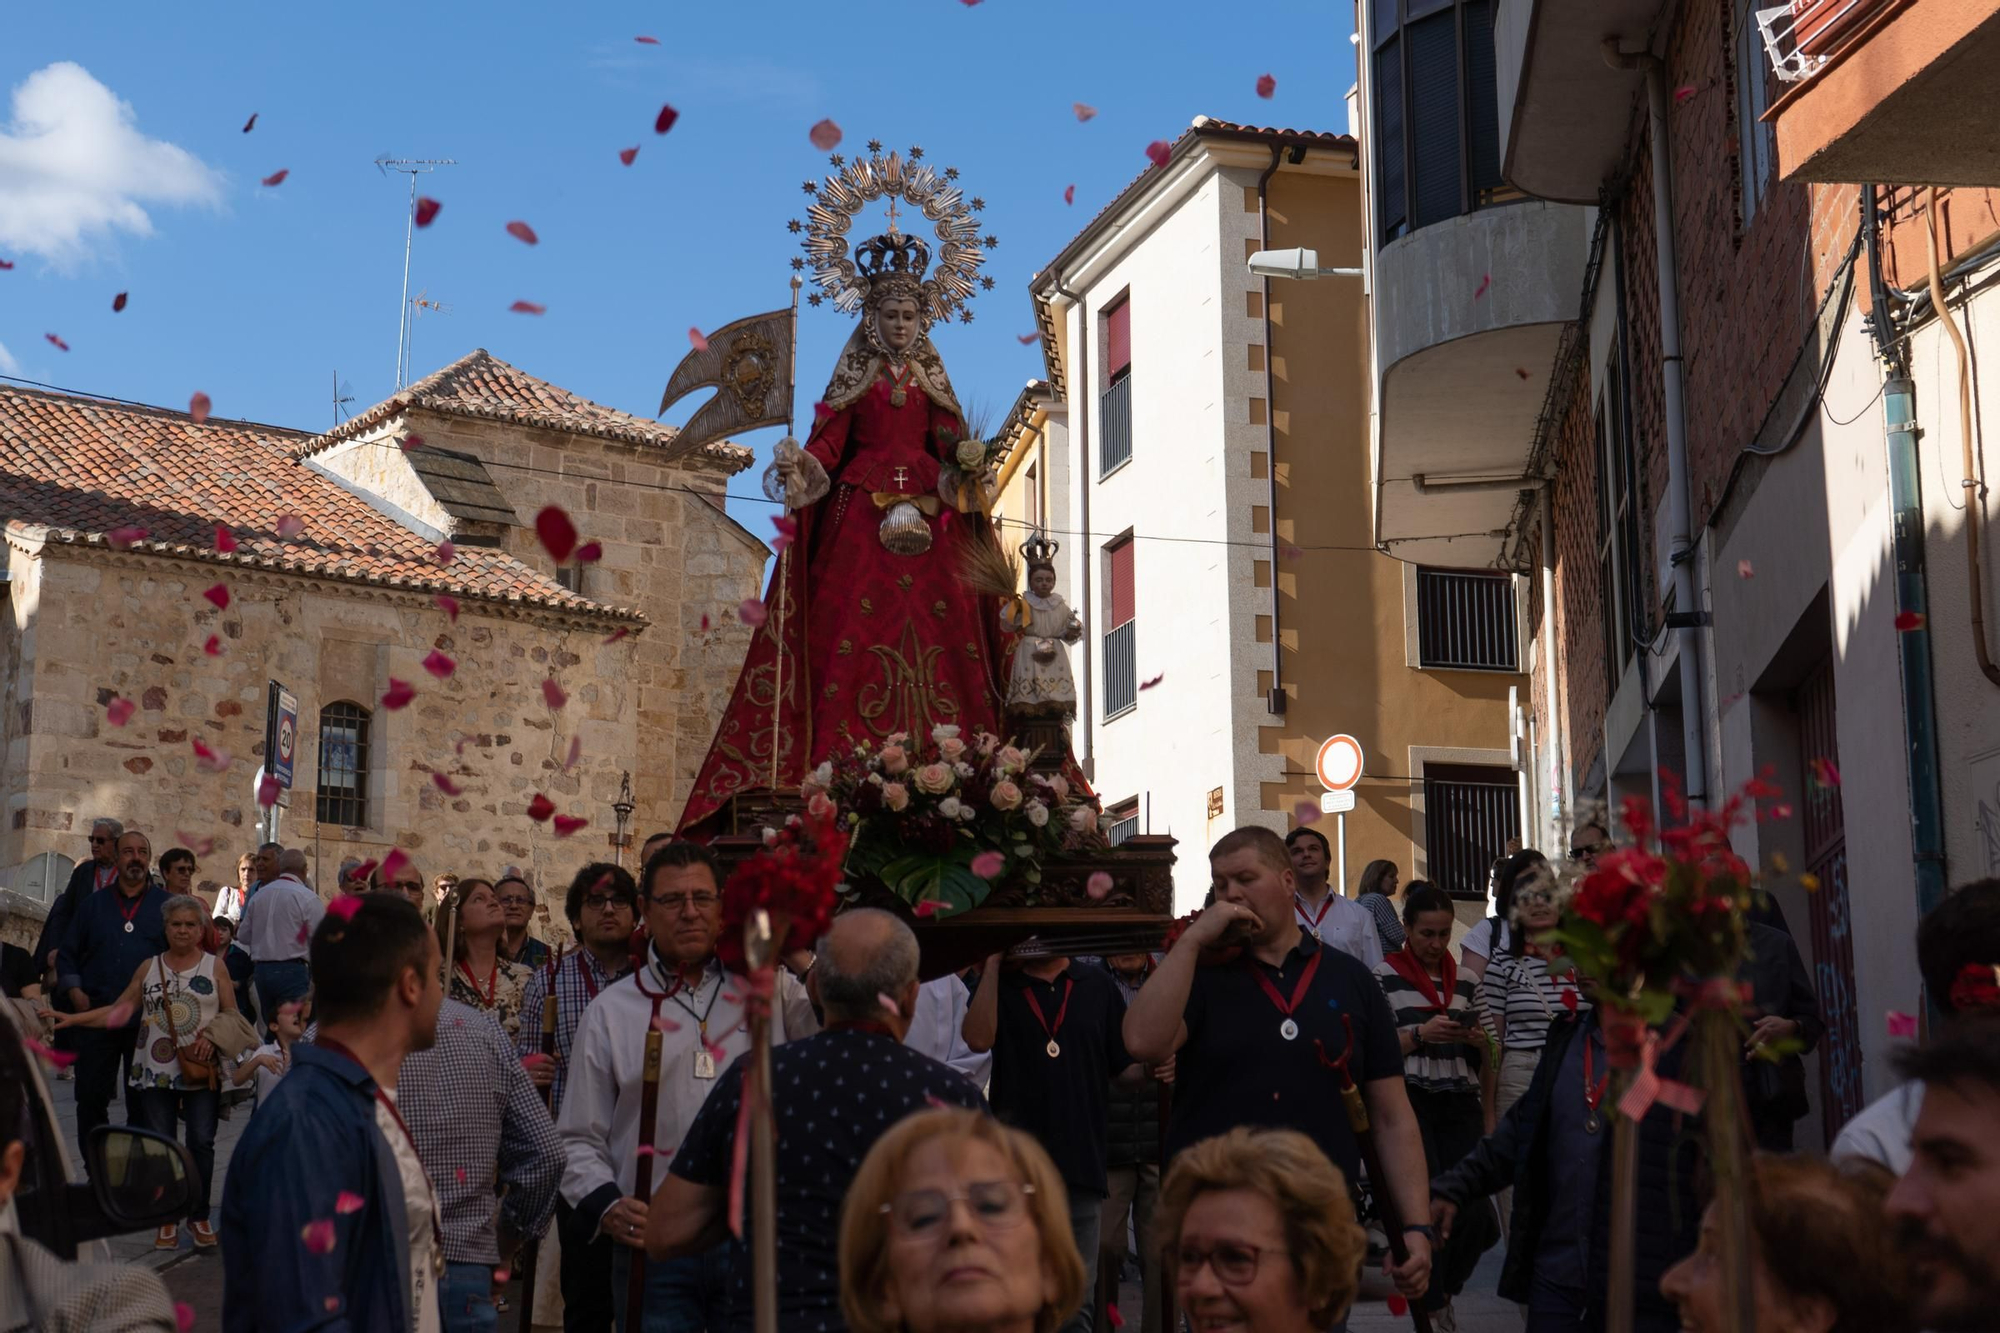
795 477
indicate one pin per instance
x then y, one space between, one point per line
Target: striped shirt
1519 990
1430 1066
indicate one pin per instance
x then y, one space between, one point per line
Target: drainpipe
1081 427
1558 761
1276 702
1687 616
1913 646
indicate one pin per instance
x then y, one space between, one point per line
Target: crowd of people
1301 1089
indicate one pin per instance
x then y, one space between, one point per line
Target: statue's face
896 323
1042 580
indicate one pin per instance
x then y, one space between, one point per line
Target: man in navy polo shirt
1256 1033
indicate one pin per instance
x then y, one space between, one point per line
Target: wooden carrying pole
784 557
1385 1197
534 1243
649 1111
760 946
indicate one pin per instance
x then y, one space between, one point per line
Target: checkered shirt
572 997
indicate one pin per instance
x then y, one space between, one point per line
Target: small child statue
1042 686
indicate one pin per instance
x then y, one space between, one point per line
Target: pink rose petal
213 646
198 405
268 788
552 694
213 760
626 155
183 1312
1027 338
54 341
427 210
1902 1027
411 440
557 533
319 1237
928 907
1745 570
889 1006
399 694
1083 111
665 120
1266 85
446 603
290 526
344 907
988 865
49 1054
521 231
568 824
751 612
1682 94
348 1202
225 540
119 711
575 753
1159 151
1069 195
825 136
219 596
664 1024
446 553
395 863
277 177
615 636
439 665
1484 282
528 308
1149 684
1306 812
445 784
540 808
199 846
647 41
1111 1313
1098 885
697 340
125 538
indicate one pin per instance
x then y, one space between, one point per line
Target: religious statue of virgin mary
869 630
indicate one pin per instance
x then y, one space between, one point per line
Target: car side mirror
139 1179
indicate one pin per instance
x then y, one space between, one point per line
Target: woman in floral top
477 975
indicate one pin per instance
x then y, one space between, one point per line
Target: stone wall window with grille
1465 621
1437 117
1114 447
1121 660
343 765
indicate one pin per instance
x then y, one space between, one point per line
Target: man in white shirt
935 1029
1324 911
683 992
277 929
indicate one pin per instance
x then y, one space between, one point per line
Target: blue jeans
161 1109
466 1295
1086 1211
682 1295
279 983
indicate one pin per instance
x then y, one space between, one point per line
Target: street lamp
1295 263
622 808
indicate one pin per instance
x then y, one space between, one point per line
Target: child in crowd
274 1057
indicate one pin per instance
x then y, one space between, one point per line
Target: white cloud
74 168
8 365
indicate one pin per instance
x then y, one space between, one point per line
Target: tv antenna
343 394
412 167
418 305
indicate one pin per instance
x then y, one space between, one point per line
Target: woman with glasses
1530 981
177 993
476 973
1260 1234
517 910
957 1222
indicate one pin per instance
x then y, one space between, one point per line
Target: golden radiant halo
954 279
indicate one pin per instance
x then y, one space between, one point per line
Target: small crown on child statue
1039 549
896 254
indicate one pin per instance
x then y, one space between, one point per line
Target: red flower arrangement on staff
795 879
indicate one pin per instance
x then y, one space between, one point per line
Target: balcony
1897 91
1564 112
1468 316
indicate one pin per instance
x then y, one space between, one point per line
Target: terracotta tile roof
82 467
481 386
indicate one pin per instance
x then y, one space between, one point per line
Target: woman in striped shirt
1528 983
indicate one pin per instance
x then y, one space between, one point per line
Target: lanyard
384 1099
587 972
1593 1092
1289 1029
1069 984
137 902
492 982
1312 922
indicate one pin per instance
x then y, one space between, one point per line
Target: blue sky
261 296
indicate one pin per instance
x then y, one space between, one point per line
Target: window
571 577
1115 420
44 877
1034 496
1121 821
1465 620
1756 141
1617 522
1470 812
343 765
1437 117
1121 661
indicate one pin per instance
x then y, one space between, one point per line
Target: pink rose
1011 759
895 759
952 748
1060 786
1083 819
1006 796
935 779
820 806
896 796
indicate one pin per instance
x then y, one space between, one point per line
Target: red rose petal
1111 1313
6 264
528 308
199 846
1027 338
558 534
704 622
427 210
411 441
626 155
290 526
1398 1306
1069 195
540 808
198 405
1159 151
1484 282
590 553
399 694
1266 85
698 340
647 41
988 865
1149 684
1098 885
183 1312
225 540
1682 93
928 907
615 636
575 753
1909 620
319 1237
277 177
445 784
825 136
446 603
665 120
394 863
445 553
119 711
124 539
1083 111
118 302
665 1024
568 824
1518 370
348 1202
552 694
521 231
751 612
267 790
60 345
49 1053
439 665
219 595
213 760
1745 570
213 647
251 123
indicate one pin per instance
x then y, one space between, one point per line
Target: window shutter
1389 173
1480 88
1435 193
1122 591
1118 339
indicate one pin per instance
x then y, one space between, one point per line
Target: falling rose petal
411 441
268 787
394 863
213 647
1098 885
1398 1306
665 120
521 231
277 177
928 907
558 534
1290 552
199 846
124 539
540 808
1149 684
615 636
60 345
590 553
1485 281
290 526
215 761
1521 371
439 665
1159 151
825 136
664 1024
251 123
332 1304
119 711
552 694
1306 812
1069 195
1902 1026
49 1054
1111 1313
344 907
1570 999
1909 620
889 1006
647 1150
118 303
751 612
575 753
319 1236
1025 338
1682 93
198 405
1084 111
347 1201
698 340
183 1312
1266 85
225 540
1745 570
501 1275
1826 771
445 553
626 155
647 41
445 784
528 308
427 210
988 865
568 824
218 595
117 1015
6 264
399 694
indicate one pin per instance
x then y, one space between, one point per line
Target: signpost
281 743
1339 768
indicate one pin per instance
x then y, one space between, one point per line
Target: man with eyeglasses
683 992
409 885
517 910
87 878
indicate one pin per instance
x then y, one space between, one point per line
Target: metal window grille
1465 621
1123 822
1121 670
1115 443
1470 811
343 765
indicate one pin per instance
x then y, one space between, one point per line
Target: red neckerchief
1409 969
492 981
1298 987
1069 984
107 876
862 1025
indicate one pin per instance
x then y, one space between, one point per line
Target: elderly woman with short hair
178 993
957 1222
